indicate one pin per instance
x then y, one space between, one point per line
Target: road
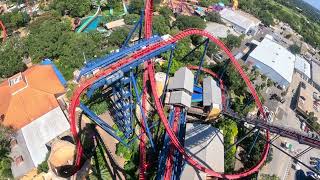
282 165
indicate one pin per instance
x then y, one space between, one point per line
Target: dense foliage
73 7
295 49
270 9
14 20
184 22
51 37
11 58
160 25
214 17
230 132
131 19
136 6
118 36
252 150
232 41
5 160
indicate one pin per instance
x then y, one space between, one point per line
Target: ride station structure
119 75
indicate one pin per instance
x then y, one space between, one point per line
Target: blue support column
254 142
201 61
142 112
167 75
165 149
221 72
197 47
106 127
179 159
138 24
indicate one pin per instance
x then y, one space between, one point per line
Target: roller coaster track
4 31
291 133
143 53
148 33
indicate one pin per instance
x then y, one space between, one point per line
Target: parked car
313 175
303 126
313 163
314 158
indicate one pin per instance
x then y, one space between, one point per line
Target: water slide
86 24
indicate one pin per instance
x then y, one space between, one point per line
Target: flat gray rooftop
205 143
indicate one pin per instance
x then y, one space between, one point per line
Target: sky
315 3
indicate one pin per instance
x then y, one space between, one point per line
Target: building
315 75
212 98
30 104
274 61
240 21
205 143
181 87
115 24
303 67
307 100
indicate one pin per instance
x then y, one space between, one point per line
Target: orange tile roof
28 95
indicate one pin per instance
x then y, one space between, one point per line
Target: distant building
181 87
206 143
307 100
30 103
315 76
274 61
240 21
303 67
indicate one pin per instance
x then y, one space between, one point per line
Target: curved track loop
116 66
4 31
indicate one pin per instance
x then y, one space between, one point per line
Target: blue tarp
56 70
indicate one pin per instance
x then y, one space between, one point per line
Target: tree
14 20
233 41
267 18
136 6
214 17
160 25
51 37
295 49
230 132
212 49
118 36
184 22
166 12
5 161
74 7
47 36
131 19
11 58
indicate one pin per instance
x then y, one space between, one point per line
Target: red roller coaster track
4 31
174 140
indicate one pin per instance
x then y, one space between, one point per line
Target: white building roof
238 18
316 73
276 57
41 131
303 66
205 143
